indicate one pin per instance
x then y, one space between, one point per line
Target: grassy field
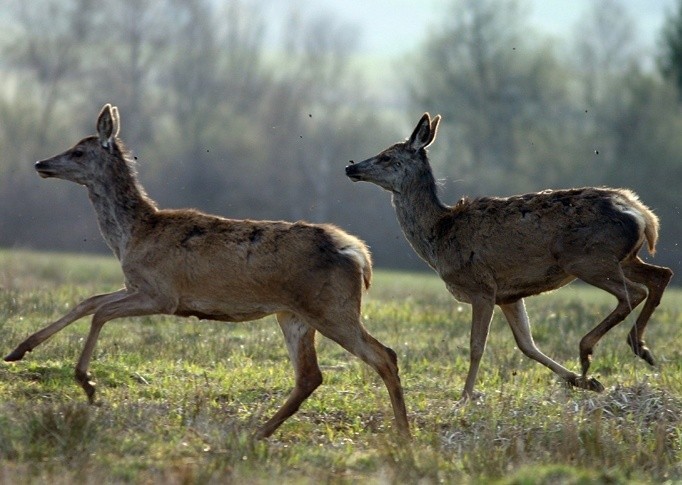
181 397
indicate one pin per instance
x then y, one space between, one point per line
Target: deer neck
419 210
121 206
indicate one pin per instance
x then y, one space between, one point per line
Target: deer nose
43 168
352 172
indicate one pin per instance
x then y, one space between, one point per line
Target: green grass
181 397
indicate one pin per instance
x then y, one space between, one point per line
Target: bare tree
47 53
131 48
605 49
307 107
498 90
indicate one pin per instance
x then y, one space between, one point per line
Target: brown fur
498 250
186 263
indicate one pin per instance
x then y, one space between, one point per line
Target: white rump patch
355 254
626 208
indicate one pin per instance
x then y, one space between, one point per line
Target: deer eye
77 153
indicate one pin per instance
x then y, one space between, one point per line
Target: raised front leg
86 307
480 327
132 305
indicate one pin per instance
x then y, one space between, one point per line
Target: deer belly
225 312
528 283
458 293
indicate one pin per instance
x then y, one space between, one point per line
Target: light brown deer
184 262
495 250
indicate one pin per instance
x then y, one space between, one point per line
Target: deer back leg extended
656 279
300 340
608 275
346 329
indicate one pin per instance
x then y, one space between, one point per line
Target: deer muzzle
354 173
43 169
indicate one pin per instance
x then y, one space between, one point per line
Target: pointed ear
117 120
108 125
434 129
423 135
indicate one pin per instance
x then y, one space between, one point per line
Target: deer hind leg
656 279
610 278
132 305
346 329
517 317
86 307
300 340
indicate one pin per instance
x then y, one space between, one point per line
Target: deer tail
651 230
650 220
359 253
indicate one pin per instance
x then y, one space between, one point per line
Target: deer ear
117 121
421 137
107 126
434 129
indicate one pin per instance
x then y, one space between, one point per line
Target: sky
391 27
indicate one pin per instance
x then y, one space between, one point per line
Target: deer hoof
467 398
88 386
589 383
593 384
646 355
17 354
642 351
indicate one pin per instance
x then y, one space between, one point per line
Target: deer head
401 163
84 161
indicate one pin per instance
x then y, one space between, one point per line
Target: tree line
237 115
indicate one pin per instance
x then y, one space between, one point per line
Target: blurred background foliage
237 112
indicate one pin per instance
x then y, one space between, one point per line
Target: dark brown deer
495 250
184 262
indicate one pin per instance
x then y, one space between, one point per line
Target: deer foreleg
131 305
517 317
86 307
480 327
